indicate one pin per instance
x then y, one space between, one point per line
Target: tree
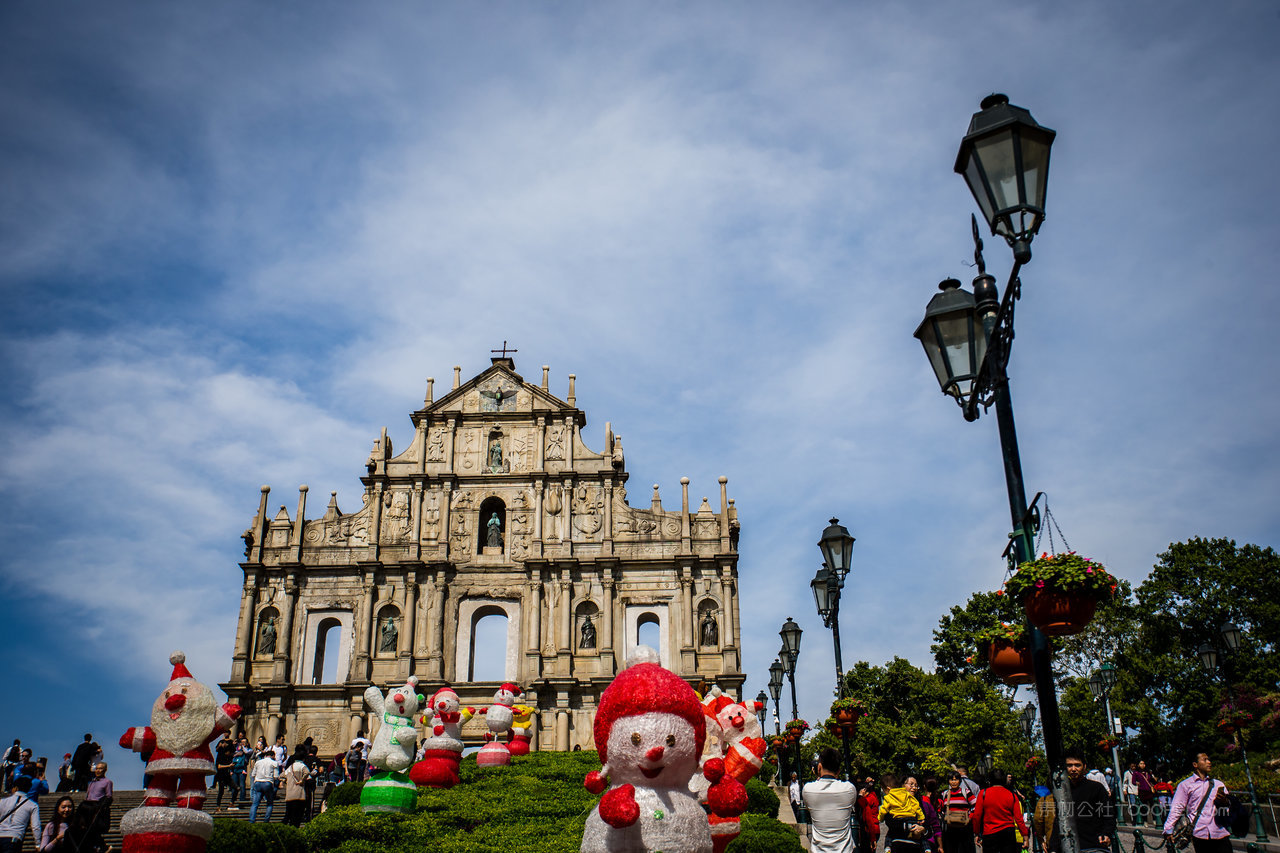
953 647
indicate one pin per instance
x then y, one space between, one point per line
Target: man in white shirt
280 752
1129 788
1101 778
266 772
830 803
18 812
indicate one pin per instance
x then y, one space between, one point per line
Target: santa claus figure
185 719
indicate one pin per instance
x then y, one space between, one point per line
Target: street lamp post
1005 161
837 553
762 708
1231 637
1100 685
790 634
776 669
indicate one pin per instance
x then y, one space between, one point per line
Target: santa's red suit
179 777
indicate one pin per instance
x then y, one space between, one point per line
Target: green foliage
765 835
850 703
761 798
236 836
346 794
954 640
1067 572
1264 781
1015 634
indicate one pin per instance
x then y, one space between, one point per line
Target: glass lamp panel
996 153
1095 685
1108 675
820 597
1035 166
956 331
1208 657
977 186
1230 636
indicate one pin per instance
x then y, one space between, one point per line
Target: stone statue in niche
495 456
710 630
435 446
588 638
267 636
493 532
388 635
555 442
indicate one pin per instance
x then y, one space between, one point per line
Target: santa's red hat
179 661
644 687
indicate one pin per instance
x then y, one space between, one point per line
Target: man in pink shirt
1196 796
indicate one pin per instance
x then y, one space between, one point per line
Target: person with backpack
1196 798
997 818
956 811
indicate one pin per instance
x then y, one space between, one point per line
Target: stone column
415 550
539 441
562 731
537 510
245 627
357 726
421 616
360 660
533 616
259 528
273 724
685 546
607 532
564 624
728 636
405 650
439 601
284 637
686 607
569 435
607 655
298 523
724 514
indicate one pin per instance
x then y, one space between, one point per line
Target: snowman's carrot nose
654 754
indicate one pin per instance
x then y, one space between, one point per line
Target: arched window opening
328 640
492 531
649 631
488 646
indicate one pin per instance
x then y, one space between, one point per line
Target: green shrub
761 798
346 794
762 834
237 836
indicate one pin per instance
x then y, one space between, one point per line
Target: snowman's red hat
179 661
645 687
513 689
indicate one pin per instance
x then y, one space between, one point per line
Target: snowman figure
185 719
650 730
498 717
442 750
390 789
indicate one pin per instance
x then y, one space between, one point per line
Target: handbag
1181 836
956 817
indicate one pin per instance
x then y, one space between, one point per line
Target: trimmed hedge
346 794
761 799
762 834
237 836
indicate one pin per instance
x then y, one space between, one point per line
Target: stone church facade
496 507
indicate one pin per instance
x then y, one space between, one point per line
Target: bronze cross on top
504 349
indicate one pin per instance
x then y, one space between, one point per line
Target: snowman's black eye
635 738
671 740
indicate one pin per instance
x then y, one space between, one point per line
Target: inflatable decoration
650 730
185 719
521 729
742 747
498 717
443 747
390 789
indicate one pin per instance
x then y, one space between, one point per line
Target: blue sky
236 239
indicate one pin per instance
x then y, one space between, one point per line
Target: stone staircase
126 800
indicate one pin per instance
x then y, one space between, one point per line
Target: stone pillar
259 528
360 660
446 509
685 546
687 618
451 435
540 436
562 731
724 514
298 523
438 603
273 726
537 506
607 654
415 551
356 726
607 532
564 624
533 616
245 628
570 433
284 637
421 617
407 626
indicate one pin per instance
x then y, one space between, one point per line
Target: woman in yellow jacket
900 810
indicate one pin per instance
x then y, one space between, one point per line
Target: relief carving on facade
396 517
431 519
554 505
326 735
435 445
555 442
588 503
497 394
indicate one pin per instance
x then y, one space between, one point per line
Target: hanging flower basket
1032 763
1007 653
848 712
1108 743
1009 663
1061 592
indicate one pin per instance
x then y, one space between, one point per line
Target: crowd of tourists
73 827
911 813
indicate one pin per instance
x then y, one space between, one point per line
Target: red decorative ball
728 797
595 783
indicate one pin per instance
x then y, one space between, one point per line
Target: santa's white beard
194 724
